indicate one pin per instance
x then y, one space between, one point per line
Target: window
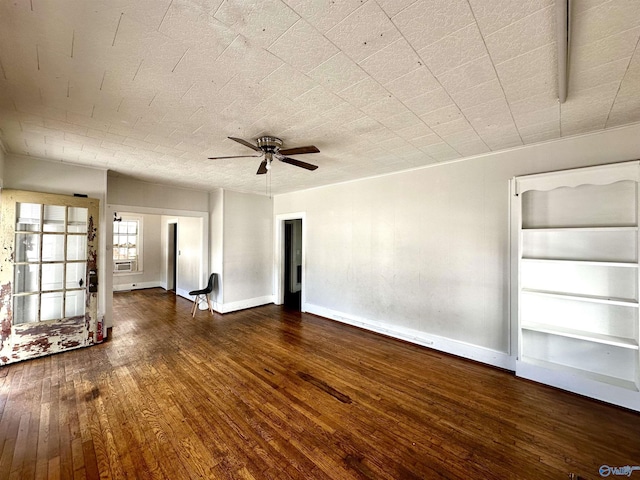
127 245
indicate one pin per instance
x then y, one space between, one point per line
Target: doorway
172 256
293 264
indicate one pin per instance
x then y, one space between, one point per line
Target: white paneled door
48 279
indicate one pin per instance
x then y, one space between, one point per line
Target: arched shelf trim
599 175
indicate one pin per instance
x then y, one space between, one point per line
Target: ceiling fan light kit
270 148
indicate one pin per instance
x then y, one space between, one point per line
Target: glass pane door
50 265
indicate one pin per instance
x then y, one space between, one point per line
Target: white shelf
624 302
582 335
598 377
583 262
582 229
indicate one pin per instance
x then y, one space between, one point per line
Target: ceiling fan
270 148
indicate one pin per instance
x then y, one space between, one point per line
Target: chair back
210 284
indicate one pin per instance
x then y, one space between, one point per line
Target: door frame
167 212
278 258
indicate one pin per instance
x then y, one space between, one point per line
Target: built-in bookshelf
575 280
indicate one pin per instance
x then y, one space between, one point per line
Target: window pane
53 218
25 309
132 227
51 306
52 248
27 247
74 303
28 217
75 273
25 278
77 222
52 276
76 247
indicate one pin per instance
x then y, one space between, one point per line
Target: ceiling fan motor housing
269 144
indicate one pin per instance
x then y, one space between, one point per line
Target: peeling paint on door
31 339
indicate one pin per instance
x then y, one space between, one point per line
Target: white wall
191 261
37 175
192 248
216 234
151 256
247 250
424 255
126 191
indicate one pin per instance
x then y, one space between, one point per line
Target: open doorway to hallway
293 264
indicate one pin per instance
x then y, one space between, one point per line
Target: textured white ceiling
151 88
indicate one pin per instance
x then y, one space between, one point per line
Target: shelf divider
625 302
582 335
583 262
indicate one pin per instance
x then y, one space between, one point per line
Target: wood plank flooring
266 393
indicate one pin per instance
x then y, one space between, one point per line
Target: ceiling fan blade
297 163
262 169
235 156
245 143
299 150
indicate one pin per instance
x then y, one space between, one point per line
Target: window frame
139 244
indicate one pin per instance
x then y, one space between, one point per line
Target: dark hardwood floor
270 393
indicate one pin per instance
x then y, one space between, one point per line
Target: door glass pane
53 218
77 222
28 217
75 273
76 247
25 278
51 306
52 248
52 276
74 303
25 309
27 247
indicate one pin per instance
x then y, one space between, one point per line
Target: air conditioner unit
124 266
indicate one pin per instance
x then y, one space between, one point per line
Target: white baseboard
242 304
443 344
135 286
576 383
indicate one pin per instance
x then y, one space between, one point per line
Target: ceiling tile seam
164 16
300 19
115 34
178 62
424 63
353 13
293 11
602 39
524 53
398 13
586 71
635 51
593 6
495 71
356 63
519 20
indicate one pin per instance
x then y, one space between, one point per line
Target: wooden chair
202 296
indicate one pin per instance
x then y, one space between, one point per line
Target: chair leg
209 304
195 306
